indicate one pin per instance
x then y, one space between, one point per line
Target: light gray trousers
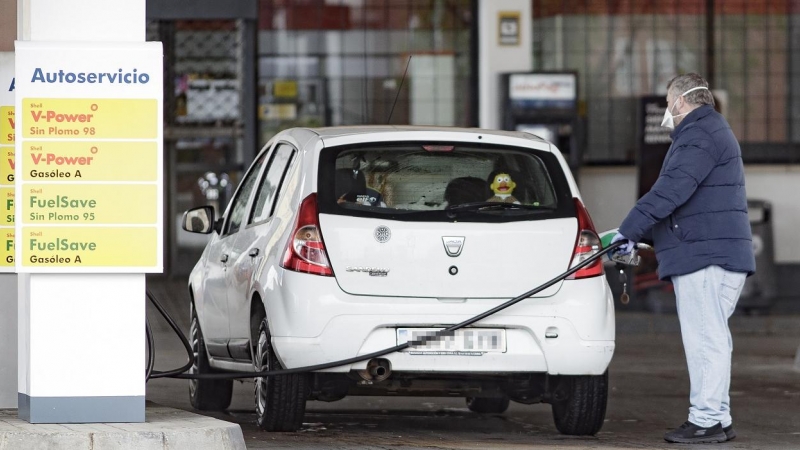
706 299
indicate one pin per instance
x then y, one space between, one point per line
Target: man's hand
626 248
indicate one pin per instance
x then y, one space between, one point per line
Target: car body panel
503 260
263 239
338 325
214 290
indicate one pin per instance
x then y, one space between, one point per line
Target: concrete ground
649 396
164 429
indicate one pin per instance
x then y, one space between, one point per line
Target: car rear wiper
493 206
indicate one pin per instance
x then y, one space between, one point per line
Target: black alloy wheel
205 395
280 400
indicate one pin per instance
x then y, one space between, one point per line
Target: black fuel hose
151 359
180 373
151 345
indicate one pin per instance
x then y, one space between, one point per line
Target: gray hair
683 83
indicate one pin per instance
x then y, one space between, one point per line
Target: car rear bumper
310 328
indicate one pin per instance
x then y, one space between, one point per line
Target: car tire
280 400
579 404
488 405
205 395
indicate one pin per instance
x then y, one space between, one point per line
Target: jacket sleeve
691 162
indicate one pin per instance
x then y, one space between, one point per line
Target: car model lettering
372 271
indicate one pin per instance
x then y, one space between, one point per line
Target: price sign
86 247
7 142
89 161
89 127
89 118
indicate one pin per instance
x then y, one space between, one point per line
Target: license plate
470 341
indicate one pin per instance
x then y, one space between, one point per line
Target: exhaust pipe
378 369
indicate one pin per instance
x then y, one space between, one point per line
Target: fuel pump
622 261
544 104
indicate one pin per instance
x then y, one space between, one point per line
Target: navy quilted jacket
697 209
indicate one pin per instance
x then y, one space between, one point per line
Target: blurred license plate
464 341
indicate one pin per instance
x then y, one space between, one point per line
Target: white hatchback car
341 242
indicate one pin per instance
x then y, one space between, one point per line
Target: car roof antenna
389 119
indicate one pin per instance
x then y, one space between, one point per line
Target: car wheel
579 404
280 400
205 395
487 405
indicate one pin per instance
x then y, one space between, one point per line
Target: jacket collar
694 116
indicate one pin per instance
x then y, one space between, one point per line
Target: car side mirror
199 220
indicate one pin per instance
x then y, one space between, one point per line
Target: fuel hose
181 372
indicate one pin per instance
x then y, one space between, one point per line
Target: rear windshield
441 181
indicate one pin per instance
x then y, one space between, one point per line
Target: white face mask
668 121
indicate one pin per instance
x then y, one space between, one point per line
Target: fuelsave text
61 244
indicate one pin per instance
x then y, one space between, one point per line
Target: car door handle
224 258
253 252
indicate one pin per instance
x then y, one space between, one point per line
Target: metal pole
474 92
710 31
166 34
248 79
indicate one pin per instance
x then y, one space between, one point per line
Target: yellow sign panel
7 248
7 207
7 140
285 89
103 118
89 161
7 166
278 111
89 203
77 247
6 125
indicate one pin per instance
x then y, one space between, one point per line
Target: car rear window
442 181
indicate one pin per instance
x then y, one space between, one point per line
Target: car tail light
586 245
305 251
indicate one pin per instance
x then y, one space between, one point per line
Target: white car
344 241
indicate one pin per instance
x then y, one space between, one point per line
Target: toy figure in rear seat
502 185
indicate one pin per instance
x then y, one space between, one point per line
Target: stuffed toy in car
502 185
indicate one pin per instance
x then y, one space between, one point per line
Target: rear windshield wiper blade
490 206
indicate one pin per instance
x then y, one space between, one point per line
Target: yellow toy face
502 184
